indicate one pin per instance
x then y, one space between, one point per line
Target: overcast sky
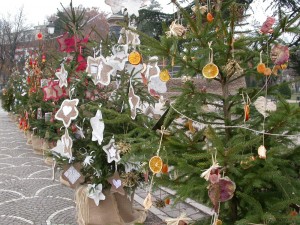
36 11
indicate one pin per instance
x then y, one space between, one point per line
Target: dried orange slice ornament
135 58
267 71
155 164
164 75
210 70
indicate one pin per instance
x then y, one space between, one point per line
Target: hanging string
242 127
211 53
160 142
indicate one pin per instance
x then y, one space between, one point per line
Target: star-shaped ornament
98 127
92 65
49 92
72 175
116 184
68 143
61 92
62 75
134 101
113 154
67 111
119 57
104 72
95 192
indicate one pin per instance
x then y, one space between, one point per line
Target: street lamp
51 27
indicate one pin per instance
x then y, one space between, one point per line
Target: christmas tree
242 141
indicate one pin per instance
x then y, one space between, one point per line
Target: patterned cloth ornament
116 184
71 173
176 30
280 54
62 75
113 154
266 28
98 127
95 192
67 111
263 106
104 72
134 101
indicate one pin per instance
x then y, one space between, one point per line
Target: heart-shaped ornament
117 183
66 110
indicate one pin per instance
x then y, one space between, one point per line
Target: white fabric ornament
113 154
62 75
119 58
134 101
262 152
98 127
157 85
68 143
263 106
104 72
95 192
67 111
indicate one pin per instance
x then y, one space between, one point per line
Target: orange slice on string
164 75
267 71
155 164
135 58
210 70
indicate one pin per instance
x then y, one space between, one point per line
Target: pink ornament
280 54
267 26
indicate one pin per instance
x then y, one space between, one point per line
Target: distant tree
154 6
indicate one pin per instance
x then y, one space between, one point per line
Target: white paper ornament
95 192
67 111
113 154
104 71
263 106
119 57
72 174
68 143
62 75
134 101
98 127
152 68
135 70
88 160
92 65
131 37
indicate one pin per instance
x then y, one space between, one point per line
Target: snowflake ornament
98 127
88 160
95 192
62 75
67 111
113 154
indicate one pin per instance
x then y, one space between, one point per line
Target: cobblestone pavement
28 195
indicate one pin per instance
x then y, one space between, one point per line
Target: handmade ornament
262 152
134 101
210 70
135 58
62 75
148 202
267 71
176 221
232 68
135 71
104 72
267 26
201 9
130 179
280 54
156 86
92 65
132 38
88 161
44 83
246 107
71 173
49 92
61 92
159 203
68 143
212 173
81 63
263 106
176 30
119 57
247 163
98 127
164 75
67 111
116 184
155 164
39 114
113 154
95 192
115 5
209 17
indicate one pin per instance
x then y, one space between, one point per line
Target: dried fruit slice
210 71
261 67
135 58
155 164
164 75
268 71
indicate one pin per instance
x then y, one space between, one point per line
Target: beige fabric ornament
92 65
116 184
263 106
148 201
202 9
134 101
98 127
233 68
113 154
262 152
95 192
71 174
62 75
176 30
67 111
103 73
176 221
68 143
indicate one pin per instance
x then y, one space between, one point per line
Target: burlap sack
114 210
37 144
29 137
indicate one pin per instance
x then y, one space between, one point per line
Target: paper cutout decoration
67 111
72 175
116 184
92 65
280 54
63 148
263 106
135 71
134 101
113 154
119 57
98 127
95 192
133 6
152 68
104 72
88 160
176 221
62 75
68 143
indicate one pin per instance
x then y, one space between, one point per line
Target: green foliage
285 90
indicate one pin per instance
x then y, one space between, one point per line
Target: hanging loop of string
211 52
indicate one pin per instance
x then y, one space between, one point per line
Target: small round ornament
135 58
167 201
261 67
164 75
155 164
165 168
267 71
209 17
210 70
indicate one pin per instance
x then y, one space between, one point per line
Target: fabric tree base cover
116 209
37 144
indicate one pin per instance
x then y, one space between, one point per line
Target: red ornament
43 58
165 169
39 36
